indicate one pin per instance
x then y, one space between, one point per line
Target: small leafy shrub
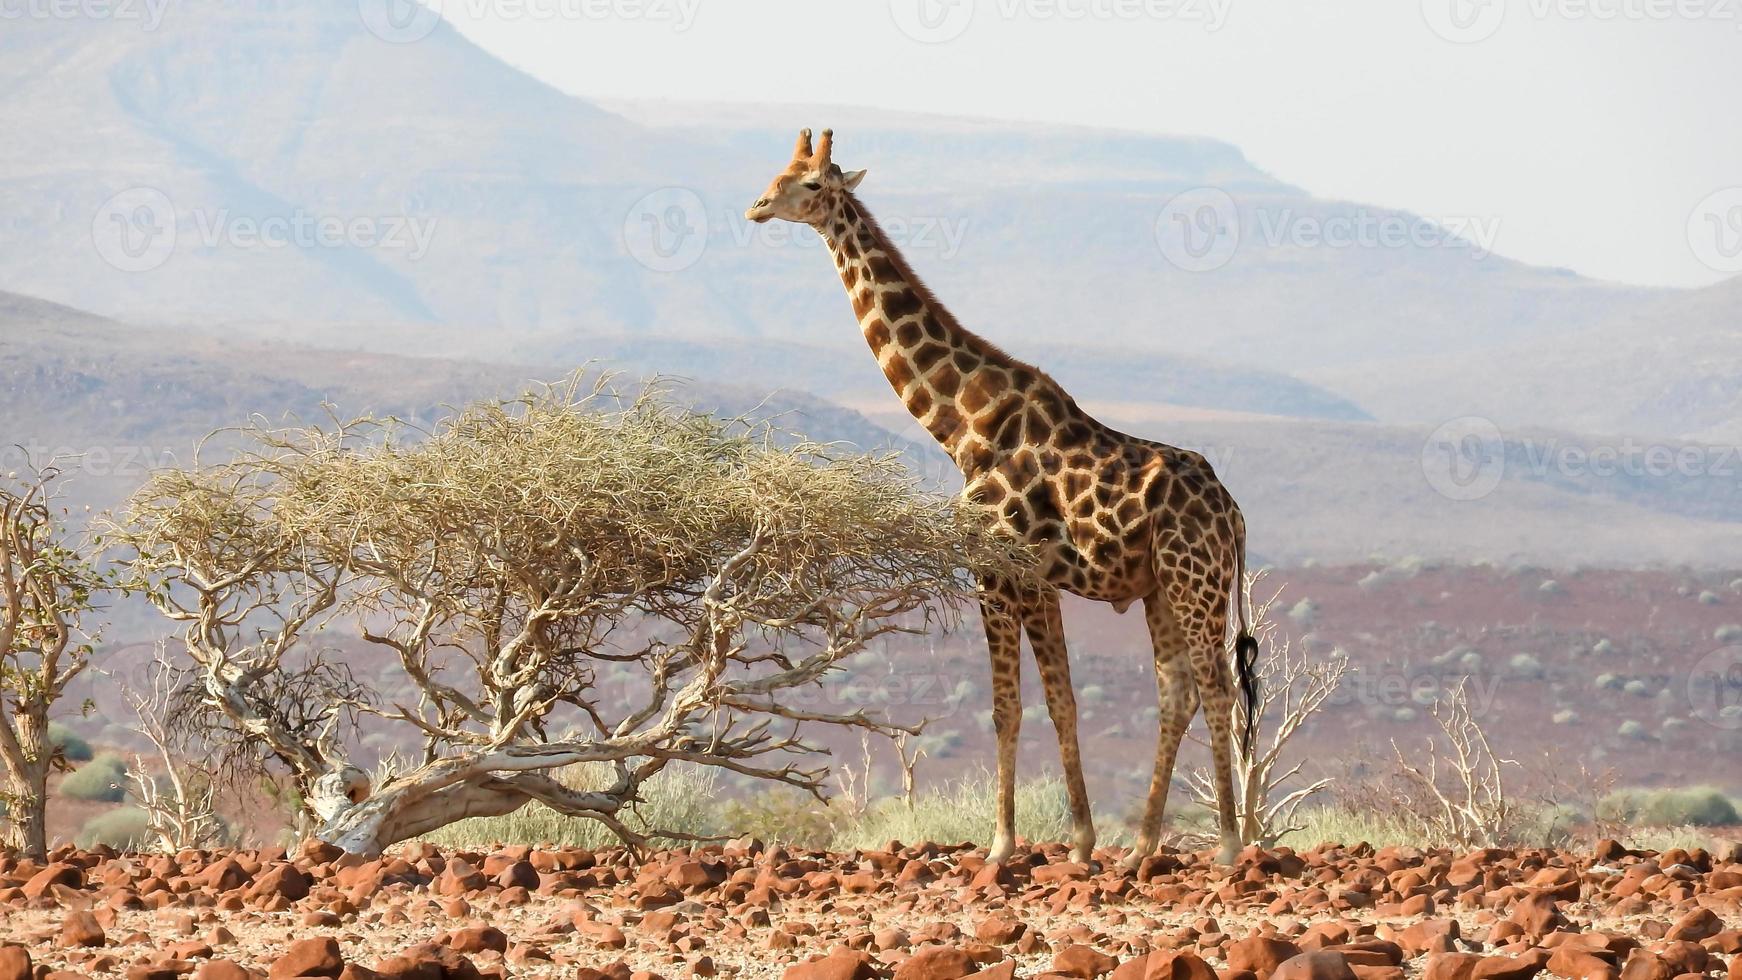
1690 806
74 748
103 779
126 829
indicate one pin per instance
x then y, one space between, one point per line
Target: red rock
1644 965
222 970
999 930
936 963
1165 965
81 929
840 965
1322 965
1538 915
285 881
14 963
1430 936
1511 967
1261 954
1699 924
1002 970
318 957
59 873
1571 960
477 939
1083 962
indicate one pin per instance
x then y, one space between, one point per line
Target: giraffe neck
957 385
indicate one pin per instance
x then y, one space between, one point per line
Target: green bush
783 815
1688 806
103 779
126 829
961 811
74 748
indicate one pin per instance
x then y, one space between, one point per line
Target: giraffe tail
1245 655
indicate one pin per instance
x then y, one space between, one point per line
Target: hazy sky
1596 131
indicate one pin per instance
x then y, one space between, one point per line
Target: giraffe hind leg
1199 600
1177 698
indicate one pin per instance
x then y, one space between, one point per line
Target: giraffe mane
991 351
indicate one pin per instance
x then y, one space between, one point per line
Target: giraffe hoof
1001 850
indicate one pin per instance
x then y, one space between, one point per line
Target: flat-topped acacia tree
561 579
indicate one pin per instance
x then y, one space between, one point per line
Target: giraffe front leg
1004 644
1046 634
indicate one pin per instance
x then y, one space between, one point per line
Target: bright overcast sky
1595 131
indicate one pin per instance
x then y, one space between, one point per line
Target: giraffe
1110 517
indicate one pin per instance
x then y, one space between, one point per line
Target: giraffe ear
851 179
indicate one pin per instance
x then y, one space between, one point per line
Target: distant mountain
851 377
114 401
119 400
434 200
1670 368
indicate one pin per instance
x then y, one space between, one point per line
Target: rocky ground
927 912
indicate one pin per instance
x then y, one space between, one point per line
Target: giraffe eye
811 185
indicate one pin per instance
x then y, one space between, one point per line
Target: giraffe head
809 187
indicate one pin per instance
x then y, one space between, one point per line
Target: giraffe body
1111 517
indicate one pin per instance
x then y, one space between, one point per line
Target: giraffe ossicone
1111 517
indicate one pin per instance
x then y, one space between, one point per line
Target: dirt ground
926 912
